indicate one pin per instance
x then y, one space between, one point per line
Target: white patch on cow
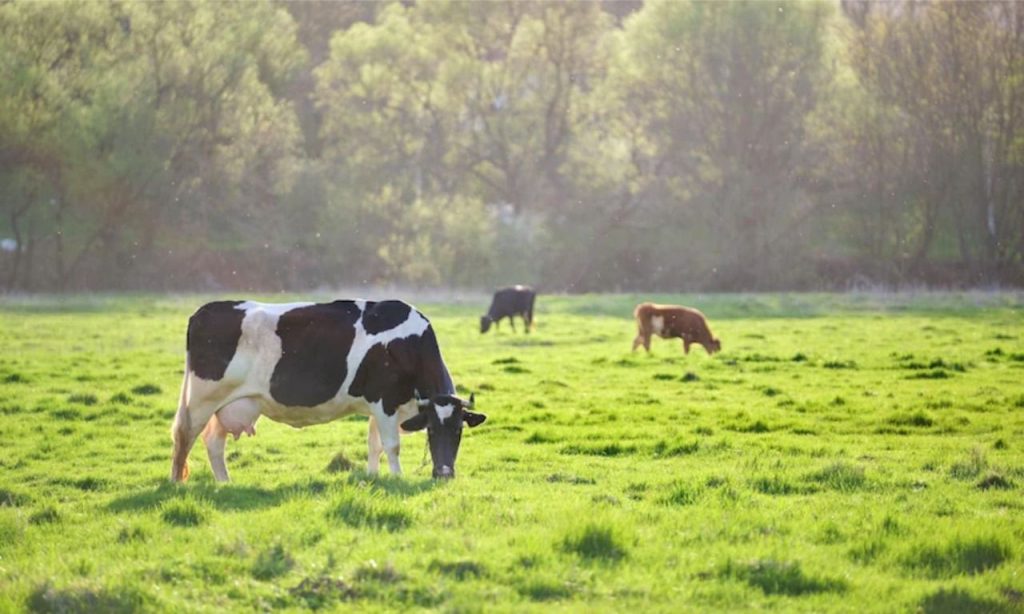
657 324
274 309
413 326
444 412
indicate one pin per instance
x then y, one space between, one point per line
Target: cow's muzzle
444 473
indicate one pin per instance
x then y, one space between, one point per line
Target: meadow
843 453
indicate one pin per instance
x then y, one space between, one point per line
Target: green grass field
842 453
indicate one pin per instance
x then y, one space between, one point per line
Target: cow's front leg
686 345
388 429
375 447
512 323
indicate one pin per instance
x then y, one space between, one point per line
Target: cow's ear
473 418
416 423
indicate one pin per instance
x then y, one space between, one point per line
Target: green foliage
438 143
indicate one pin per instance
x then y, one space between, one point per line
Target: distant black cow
508 302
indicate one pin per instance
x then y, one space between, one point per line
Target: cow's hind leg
215 436
237 417
187 426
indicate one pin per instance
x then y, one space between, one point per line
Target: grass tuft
776 577
681 494
121 398
597 543
539 437
146 390
839 364
10 498
994 480
544 589
322 592
48 599
46 515
460 570
959 601
663 449
608 449
272 562
971 467
185 512
918 418
369 509
339 463
959 556
775 485
83 399
840 476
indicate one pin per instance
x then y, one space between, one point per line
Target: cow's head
444 416
485 323
714 346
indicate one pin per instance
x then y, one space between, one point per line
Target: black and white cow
310 363
508 302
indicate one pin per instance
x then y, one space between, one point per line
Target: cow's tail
180 430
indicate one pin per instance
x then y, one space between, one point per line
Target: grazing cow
309 363
672 321
508 302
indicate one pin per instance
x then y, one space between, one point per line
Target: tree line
576 146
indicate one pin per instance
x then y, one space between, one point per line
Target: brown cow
671 321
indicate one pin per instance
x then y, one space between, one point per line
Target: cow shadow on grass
239 498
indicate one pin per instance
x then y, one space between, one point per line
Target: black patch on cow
315 342
212 338
387 374
384 315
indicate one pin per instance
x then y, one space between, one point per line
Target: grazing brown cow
671 321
